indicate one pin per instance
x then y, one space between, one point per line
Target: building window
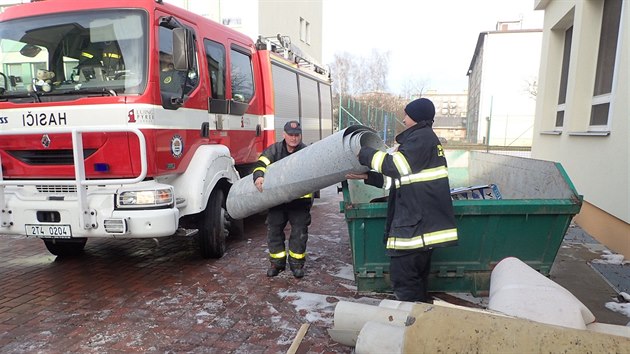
308 32
305 31
604 73
564 77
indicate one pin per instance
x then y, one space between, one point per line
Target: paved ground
137 296
573 269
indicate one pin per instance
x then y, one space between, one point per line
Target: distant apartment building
301 21
450 114
582 116
502 86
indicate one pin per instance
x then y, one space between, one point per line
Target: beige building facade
582 118
301 21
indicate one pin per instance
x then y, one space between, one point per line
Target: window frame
214 88
239 50
604 72
564 79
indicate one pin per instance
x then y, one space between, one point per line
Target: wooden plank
298 339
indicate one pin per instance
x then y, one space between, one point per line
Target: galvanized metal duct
320 165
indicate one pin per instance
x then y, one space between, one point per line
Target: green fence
351 111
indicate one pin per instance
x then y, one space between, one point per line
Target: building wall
509 64
474 98
281 16
268 18
598 164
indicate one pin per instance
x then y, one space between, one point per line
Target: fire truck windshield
60 55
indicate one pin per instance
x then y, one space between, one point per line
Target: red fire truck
132 119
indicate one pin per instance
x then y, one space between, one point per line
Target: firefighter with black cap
296 212
420 213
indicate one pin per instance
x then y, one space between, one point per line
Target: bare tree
413 87
371 73
342 70
377 69
356 75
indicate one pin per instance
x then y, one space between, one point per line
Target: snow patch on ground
275 315
345 272
349 287
327 238
611 258
313 307
622 308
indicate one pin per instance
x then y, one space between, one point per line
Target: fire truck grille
47 157
53 189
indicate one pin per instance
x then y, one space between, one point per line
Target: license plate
48 231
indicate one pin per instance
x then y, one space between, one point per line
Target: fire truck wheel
213 227
66 248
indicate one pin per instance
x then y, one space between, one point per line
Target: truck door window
174 84
242 76
215 55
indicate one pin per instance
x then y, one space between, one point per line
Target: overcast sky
429 40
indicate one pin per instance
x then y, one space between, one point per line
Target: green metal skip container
537 204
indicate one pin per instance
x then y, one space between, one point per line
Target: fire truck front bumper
61 217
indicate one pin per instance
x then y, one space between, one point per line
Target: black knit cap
420 109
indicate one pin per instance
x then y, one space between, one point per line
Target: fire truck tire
213 227
66 248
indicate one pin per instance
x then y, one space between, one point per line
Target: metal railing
80 181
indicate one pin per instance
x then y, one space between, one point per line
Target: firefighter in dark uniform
296 212
420 210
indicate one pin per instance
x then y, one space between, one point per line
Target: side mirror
183 49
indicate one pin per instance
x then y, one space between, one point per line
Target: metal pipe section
351 317
317 166
378 337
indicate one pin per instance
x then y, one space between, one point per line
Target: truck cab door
233 97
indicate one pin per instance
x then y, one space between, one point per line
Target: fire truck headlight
145 198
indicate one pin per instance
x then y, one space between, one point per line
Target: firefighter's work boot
298 270
298 273
275 269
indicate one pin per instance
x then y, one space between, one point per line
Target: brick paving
139 296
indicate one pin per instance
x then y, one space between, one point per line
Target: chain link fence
350 111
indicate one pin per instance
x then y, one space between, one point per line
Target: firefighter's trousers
298 215
409 275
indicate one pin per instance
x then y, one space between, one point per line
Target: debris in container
488 191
